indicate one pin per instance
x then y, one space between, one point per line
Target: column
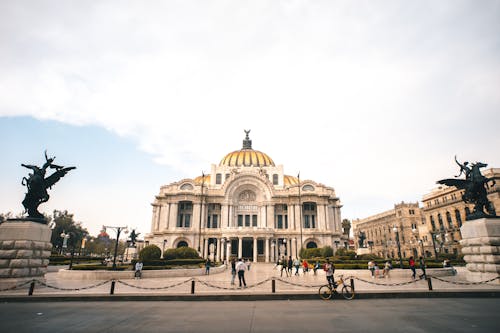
167 217
205 248
321 217
240 247
224 222
289 246
228 249
270 216
218 255
266 249
230 218
294 242
173 215
255 253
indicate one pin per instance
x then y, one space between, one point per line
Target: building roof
246 156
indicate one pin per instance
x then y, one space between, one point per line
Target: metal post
273 286
112 291
399 246
71 260
352 284
429 282
116 246
192 287
32 287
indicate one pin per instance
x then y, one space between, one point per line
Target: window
275 179
254 220
281 216
309 212
412 211
307 188
227 176
218 178
213 216
467 212
247 220
186 187
448 219
440 221
458 218
433 224
184 214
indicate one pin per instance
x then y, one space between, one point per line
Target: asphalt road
389 315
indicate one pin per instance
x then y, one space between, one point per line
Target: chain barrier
466 283
72 289
299 285
232 288
153 288
17 286
384 284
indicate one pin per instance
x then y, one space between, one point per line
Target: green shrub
342 252
170 254
327 251
187 253
310 253
150 252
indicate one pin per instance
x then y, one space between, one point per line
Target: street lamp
419 241
163 251
370 245
395 229
118 231
295 241
65 236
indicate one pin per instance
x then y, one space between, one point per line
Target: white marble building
247 207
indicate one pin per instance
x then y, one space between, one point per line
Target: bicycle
326 291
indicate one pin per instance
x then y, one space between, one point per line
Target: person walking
241 267
233 270
305 266
371 267
207 267
283 266
290 265
411 262
296 264
387 268
421 263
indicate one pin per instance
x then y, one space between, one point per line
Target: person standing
411 262
305 266
233 270
138 269
421 262
371 267
296 264
387 268
207 267
241 267
329 268
316 267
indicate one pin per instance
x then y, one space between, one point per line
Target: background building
246 207
404 225
445 212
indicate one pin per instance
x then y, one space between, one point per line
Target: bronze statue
133 237
475 187
37 185
361 240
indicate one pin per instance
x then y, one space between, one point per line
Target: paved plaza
259 281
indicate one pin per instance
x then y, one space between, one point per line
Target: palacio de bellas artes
247 207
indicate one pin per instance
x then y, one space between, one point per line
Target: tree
65 223
346 225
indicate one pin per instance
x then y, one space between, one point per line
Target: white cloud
371 98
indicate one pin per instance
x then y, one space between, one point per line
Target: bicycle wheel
325 292
347 292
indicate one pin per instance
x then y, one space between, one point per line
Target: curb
247 297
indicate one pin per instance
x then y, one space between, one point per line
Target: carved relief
247 196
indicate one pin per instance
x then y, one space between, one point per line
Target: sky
373 98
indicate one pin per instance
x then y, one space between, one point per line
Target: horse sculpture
37 185
475 187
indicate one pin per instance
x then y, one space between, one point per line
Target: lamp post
336 245
296 247
65 236
163 250
370 245
118 231
395 229
419 241
201 210
273 249
300 208
285 247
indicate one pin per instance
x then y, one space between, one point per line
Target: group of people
287 266
375 269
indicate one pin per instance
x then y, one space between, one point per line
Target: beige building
445 212
246 207
382 232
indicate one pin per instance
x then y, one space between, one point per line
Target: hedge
150 252
99 267
181 253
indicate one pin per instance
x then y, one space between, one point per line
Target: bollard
352 284
429 282
32 287
192 287
273 286
112 291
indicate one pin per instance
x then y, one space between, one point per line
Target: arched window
440 221
186 187
182 244
433 223
307 188
448 219
458 217
311 245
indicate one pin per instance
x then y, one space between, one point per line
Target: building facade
403 225
247 208
445 212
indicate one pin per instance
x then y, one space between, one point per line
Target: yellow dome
246 157
201 179
290 180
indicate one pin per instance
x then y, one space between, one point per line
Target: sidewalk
259 286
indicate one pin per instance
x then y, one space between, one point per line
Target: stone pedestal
130 254
481 248
24 251
362 250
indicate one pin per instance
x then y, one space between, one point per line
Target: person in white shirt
241 267
138 269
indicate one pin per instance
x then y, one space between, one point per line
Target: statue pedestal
24 251
481 248
130 254
362 250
